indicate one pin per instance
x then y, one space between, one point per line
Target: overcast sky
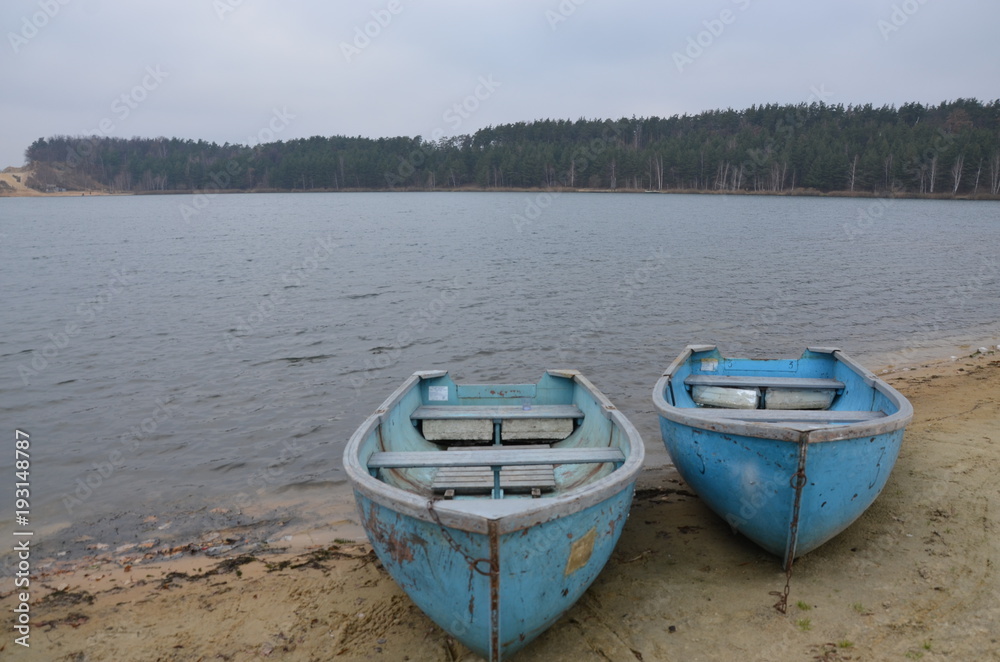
246 71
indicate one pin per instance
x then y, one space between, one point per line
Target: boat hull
751 482
494 570
541 571
787 486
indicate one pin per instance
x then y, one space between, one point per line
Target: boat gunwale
690 416
474 515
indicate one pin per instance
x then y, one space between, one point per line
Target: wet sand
914 578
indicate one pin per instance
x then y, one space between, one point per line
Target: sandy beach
914 578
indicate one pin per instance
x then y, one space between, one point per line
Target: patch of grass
803 605
926 645
914 655
861 609
343 541
804 624
844 643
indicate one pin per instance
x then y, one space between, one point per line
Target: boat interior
475 441
816 390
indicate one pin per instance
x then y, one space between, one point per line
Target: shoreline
793 193
915 577
12 186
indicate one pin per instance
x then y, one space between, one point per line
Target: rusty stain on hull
398 546
494 534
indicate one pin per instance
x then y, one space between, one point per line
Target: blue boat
789 452
494 506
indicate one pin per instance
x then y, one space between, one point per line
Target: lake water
205 365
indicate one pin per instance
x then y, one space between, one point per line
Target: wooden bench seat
536 478
521 469
479 480
489 456
476 423
763 381
440 412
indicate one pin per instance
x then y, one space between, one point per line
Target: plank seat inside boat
806 416
490 456
763 381
480 480
438 412
476 423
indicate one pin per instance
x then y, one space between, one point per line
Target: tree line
949 149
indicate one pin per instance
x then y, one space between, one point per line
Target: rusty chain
474 564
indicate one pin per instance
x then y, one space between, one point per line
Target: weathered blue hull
789 485
447 572
496 570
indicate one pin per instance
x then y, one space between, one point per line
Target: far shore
31 193
12 186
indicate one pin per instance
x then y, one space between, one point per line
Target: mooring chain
782 603
473 563
796 482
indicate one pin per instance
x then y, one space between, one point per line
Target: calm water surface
186 367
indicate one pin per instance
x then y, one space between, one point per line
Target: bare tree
956 173
657 163
995 174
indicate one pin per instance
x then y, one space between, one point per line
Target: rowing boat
494 506
789 452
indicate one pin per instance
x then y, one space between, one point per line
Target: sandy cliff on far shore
13 184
